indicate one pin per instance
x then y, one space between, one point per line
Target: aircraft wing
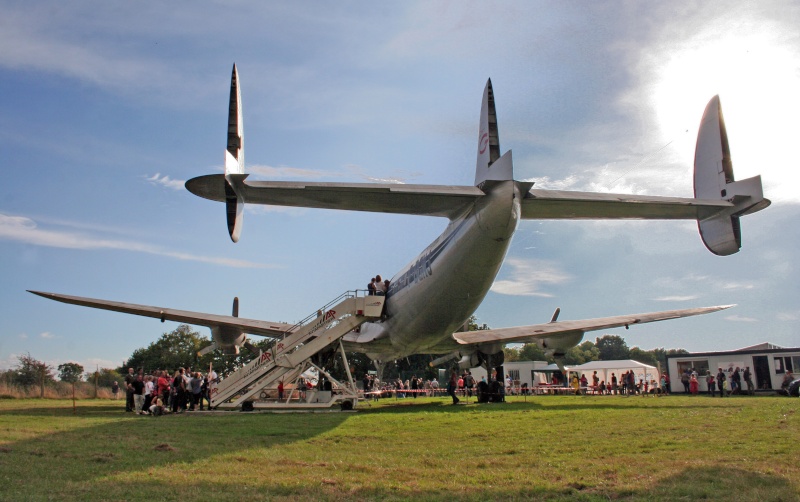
527 334
431 200
562 204
251 326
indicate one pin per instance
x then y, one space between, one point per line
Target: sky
106 109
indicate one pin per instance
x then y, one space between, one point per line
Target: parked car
793 389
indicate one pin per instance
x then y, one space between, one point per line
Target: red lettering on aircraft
483 143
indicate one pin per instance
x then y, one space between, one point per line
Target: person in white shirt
380 286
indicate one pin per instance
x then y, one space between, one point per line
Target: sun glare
757 77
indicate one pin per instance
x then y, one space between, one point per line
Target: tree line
179 348
604 348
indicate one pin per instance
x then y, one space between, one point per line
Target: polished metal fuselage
434 295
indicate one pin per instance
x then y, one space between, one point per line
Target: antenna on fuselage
555 314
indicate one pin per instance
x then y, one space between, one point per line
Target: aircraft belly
424 316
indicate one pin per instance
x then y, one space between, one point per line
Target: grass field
551 448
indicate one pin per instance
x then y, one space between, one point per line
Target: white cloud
25 230
571 182
166 181
738 318
9 362
528 278
736 286
676 298
47 335
693 283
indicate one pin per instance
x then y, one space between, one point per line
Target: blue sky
107 108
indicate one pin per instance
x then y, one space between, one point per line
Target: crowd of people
399 388
159 392
726 384
457 386
626 384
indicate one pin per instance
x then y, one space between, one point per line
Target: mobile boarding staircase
254 385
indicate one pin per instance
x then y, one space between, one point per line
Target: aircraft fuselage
435 294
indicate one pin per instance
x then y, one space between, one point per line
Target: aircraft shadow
50 458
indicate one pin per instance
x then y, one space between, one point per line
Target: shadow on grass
62 450
64 411
325 484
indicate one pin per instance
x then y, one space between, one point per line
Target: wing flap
430 200
250 326
527 334
561 204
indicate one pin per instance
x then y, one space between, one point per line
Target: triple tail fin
490 165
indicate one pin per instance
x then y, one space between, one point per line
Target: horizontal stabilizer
429 200
563 204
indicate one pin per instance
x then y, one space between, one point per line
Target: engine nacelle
478 358
468 361
556 345
228 340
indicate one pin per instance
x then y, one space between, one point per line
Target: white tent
605 368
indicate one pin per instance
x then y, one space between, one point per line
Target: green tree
532 352
173 350
612 347
511 354
661 354
30 372
583 353
643 356
414 365
225 364
70 372
472 324
105 377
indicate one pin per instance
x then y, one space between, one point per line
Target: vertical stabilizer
234 160
713 179
234 154
712 157
489 143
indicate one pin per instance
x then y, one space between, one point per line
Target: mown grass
550 448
